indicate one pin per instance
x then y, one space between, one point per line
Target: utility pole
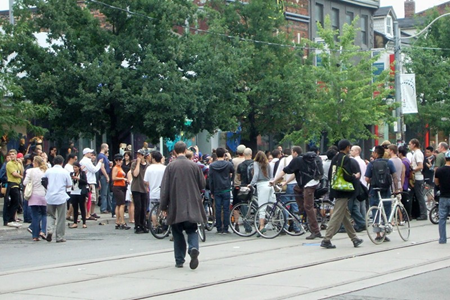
11 14
398 87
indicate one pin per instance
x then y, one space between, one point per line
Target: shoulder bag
338 181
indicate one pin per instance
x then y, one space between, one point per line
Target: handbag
28 190
338 182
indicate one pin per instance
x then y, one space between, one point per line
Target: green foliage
343 102
432 68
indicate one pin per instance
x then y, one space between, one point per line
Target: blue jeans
104 195
444 209
374 201
38 219
26 212
355 212
222 201
179 243
294 206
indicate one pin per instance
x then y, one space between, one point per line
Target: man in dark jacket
181 202
220 175
341 213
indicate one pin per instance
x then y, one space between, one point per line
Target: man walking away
181 202
58 181
442 179
340 212
220 174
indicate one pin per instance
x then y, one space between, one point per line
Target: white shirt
415 160
284 162
90 169
58 181
362 167
272 167
154 175
69 168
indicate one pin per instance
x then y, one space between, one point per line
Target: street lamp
11 14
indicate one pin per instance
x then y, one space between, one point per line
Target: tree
429 60
133 71
273 81
347 98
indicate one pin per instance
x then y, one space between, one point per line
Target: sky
398 5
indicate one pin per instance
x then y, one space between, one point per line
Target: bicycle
428 193
210 212
159 228
276 216
378 226
246 212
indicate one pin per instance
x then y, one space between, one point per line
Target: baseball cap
142 152
447 154
343 144
87 150
19 155
240 149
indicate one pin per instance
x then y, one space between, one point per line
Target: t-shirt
443 174
154 175
137 185
415 160
236 162
105 162
11 167
242 171
398 164
440 160
370 168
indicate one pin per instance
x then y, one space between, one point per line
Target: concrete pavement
230 266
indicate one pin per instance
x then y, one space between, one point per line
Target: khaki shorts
94 194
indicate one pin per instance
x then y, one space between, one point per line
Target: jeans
418 192
355 213
38 220
104 195
294 206
222 201
11 204
140 201
78 202
374 201
179 243
444 209
26 212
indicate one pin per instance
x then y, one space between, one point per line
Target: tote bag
339 183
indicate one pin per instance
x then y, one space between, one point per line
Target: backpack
3 177
311 167
381 174
250 172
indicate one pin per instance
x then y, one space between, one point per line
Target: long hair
263 162
40 163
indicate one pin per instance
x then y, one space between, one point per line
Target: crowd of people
59 189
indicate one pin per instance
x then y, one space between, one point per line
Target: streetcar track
283 270
208 284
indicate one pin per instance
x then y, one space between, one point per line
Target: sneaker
49 237
194 258
357 242
314 235
236 227
14 224
386 239
29 230
226 232
219 232
178 265
379 238
327 245
138 230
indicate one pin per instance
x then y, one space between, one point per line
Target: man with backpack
308 170
380 174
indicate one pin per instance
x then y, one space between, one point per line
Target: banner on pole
408 91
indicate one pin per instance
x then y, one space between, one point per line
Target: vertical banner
408 91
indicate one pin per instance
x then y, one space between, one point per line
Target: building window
365 29
319 14
335 18
389 25
349 17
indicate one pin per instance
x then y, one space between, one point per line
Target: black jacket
219 176
350 168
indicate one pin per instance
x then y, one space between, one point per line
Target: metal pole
398 70
11 14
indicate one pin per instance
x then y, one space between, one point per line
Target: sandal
84 226
36 239
42 235
91 218
73 226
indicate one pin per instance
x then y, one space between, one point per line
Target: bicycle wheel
294 224
273 218
246 220
376 223
434 215
201 232
401 221
210 217
157 223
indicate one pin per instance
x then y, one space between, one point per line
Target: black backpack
250 171
311 168
381 175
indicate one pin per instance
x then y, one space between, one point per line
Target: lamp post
11 14
398 92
